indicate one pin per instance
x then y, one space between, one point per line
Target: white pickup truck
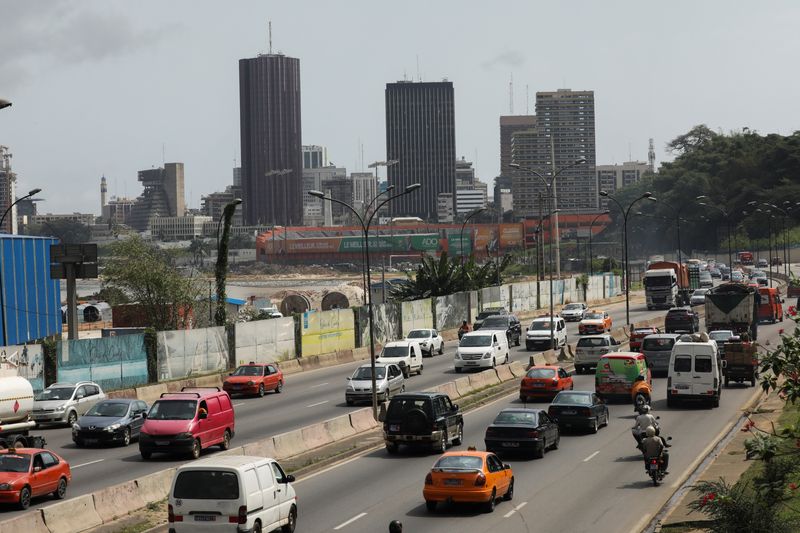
406 354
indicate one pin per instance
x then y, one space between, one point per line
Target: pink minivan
187 422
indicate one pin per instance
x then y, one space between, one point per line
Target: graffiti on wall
416 314
27 361
451 310
386 325
193 352
327 331
112 362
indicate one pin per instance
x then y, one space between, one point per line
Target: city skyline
101 89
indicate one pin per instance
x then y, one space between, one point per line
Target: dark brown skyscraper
421 136
272 158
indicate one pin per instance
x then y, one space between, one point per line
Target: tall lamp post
625 212
770 216
727 222
221 270
366 222
32 192
591 266
677 212
4 103
784 229
389 189
461 236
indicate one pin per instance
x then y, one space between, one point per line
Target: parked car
405 354
63 403
538 335
579 409
681 320
481 349
544 381
589 350
698 297
429 340
232 493
188 422
27 473
254 379
508 323
117 420
636 336
522 430
574 312
468 477
486 313
389 381
425 419
595 321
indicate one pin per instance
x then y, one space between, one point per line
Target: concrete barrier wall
119 500
72 516
265 341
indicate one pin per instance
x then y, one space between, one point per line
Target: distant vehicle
522 430
468 477
657 350
737 276
544 381
579 409
695 371
618 373
113 421
406 354
636 336
63 403
706 280
254 379
574 312
741 361
770 308
429 340
28 473
745 258
776 261
762 263
481 349
698 297
733 306
389 381
589 350
682 320
595 321
721 336
538 334
666 284
508 323
715 273
486 313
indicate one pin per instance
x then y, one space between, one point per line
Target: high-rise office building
509 125
315 156
162 196
611 178
420 135
563 134
272 157
313 180
365 188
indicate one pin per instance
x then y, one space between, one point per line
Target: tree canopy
445 275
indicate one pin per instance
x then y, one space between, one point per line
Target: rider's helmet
395 526
650 431
644 409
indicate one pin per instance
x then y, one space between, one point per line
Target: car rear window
592 343
399 406
702 364
207 485
496 321
683 364
658 345
515 417
573 398
459 462
546 373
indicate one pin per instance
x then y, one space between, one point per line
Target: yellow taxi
468 477
595 321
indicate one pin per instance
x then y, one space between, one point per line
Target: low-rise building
178 228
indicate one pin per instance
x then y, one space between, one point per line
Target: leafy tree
199 249
444 275
148 277
67 231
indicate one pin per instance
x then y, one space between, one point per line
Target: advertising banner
327 331
511 236
186 353
456 247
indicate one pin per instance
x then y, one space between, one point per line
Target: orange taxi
27 473
544 381
468 477
595 321
254 379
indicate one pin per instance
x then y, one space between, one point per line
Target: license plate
568 412
654 466
511 445
237 387
472 362
538 384
205 518
452 482
90 441
681 386
394 427
162 443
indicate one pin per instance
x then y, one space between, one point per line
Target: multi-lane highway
317 395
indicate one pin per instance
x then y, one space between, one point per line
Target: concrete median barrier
344 356
72 516
339 428
537 359
359 354
30 522
262 448
518 369
463 386
291 366
119 500
239 450
155 487
214 380
362 420
449 335
450 389
309 363
122 393
504 373
478 380
289 444
550 356
315 436
490 377
151 393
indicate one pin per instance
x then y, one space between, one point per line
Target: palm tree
442 276
199 250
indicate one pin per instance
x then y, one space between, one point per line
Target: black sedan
110 421
579 410
522 430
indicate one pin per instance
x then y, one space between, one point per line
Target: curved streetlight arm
348 206
18 200
372 202
368 222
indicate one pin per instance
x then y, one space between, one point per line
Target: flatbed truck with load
667 284
16 404
741 362
733 306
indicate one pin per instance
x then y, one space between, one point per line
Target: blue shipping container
31 301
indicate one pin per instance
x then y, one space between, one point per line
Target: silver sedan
389 381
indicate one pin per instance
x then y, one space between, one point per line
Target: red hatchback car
544 381
638 335
27 473
254 379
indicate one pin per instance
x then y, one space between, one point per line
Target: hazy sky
103 87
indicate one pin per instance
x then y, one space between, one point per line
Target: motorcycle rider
654 446
464 328
643 421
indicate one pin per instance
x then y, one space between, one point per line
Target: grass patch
137 528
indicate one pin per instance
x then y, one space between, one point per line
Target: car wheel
494 363
491 503
79 443
279 388
441 446
516 343
538 453
430 505
441 349
507 356
419 372
61 490
391 448
195 453
226 441
145 455
458 369
256 527
605 419
509 495
291 521
572 386
126 437
24 498
459 436
348 401
72 417
595 426
523 398
557 442
261 390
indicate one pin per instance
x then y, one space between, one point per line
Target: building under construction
162 196
8 187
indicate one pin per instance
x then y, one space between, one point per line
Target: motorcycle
655 469
640 393
639 435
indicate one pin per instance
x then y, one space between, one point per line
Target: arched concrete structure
294 303
334 300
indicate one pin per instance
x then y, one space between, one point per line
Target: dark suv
486 313
508 323
681 320
425 419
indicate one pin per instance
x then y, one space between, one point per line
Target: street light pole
4 103
461 237
625 213
32 192
366 222
221 270
591 266
727 223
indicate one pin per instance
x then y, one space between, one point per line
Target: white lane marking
520 506
318 385
343 524
591 457
512 511
318 403
238 404
87 464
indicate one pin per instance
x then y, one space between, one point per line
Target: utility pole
554 195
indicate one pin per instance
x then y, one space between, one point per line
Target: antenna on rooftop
419 78
269 25
511 95
527 101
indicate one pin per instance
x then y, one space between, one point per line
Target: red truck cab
770 309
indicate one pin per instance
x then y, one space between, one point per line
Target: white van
695 371
405 354
481 349
590 349
537 336
212 494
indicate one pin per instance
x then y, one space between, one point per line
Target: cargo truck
666 285
745 258
733 306
16 404
741 362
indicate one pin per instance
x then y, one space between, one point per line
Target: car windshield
516 417
572 398
547 373
459 462
248 371
571 307
207 485
657 345
57 393
173 410
115 409
419 334
541 325
15 462
500 321
365 372
594 316
485 314
642 331
721 335
468 341
394 351
588 342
